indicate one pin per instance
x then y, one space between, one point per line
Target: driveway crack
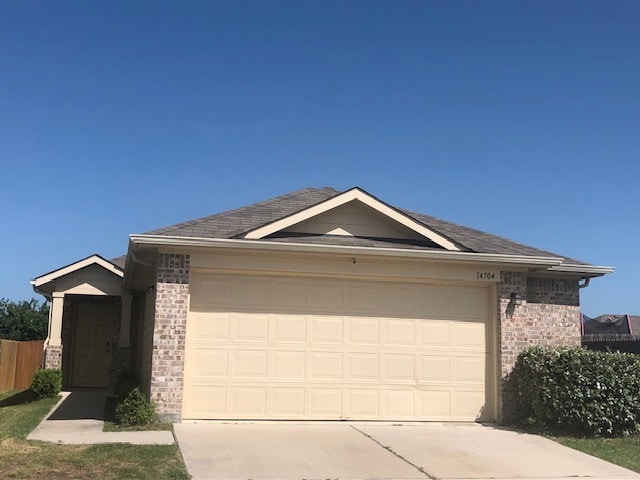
391 450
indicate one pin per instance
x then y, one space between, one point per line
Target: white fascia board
346 197
588 270
466 257
93 259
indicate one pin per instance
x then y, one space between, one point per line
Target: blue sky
517 118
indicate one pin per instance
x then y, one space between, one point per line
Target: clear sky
518 118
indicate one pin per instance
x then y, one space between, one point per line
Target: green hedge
577 391
47 382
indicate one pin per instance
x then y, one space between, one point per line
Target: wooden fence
615 342
18 362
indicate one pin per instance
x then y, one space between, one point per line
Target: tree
25 320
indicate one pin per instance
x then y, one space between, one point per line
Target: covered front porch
89 336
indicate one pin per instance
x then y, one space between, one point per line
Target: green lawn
621 451
20 412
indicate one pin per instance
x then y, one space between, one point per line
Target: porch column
125 320
57 307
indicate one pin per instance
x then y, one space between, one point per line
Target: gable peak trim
74 267
343 198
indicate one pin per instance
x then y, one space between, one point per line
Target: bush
25 320
126 383
135 409
576 391
47 382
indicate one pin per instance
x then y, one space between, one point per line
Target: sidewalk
78 419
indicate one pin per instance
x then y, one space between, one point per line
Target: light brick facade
169 331
53 357
549 315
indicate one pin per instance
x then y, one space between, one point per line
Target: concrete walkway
290 451
78 418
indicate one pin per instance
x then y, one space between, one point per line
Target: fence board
18 362
8 354
29 359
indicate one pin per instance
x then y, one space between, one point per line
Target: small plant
47 382
126 383
135 409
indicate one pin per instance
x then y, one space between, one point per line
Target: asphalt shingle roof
234 223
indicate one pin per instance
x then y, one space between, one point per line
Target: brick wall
53 357
549 315
169 329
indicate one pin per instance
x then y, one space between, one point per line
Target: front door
91 348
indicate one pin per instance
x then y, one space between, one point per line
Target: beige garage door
294 348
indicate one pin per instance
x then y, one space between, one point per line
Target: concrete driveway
365 451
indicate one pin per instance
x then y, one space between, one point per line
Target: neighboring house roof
238 222
612 324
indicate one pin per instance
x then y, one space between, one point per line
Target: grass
20 412
623 451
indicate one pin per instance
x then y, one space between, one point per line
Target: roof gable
76 266
238 223
353 213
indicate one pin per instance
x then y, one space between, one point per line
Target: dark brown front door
92 336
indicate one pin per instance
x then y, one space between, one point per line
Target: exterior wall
53 357
169 330
67 344
146 341
120 357
549 315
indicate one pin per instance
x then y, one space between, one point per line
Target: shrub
127 382
135 409
571 390
47 382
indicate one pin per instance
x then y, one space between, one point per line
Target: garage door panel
250 293
469 370
363 298
434 368
325 366
250 401
210 326
468 403
250 364
250 327
289 294
325 402
288 365
289 328
207 291
288 402
434 334
398 332
207 400
326 329
287 348
398 368
398 404
363 403
398 300
434 405
468 336
363 367
209 362
326 297
363 331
